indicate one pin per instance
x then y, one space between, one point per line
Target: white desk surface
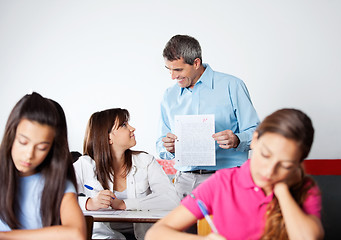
109 215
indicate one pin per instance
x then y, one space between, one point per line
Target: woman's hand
294 178
298 223
214 236
101 200
118 204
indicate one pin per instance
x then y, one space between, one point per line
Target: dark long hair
295 125
96 143
55 169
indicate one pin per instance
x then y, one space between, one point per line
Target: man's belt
200 171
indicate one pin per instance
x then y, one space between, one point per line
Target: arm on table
172 227
72 224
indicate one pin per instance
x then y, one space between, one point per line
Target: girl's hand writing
101 200
214 236
118 204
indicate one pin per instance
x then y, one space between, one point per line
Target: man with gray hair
200 90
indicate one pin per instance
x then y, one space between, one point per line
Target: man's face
185 74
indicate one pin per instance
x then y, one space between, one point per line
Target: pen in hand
204 211
91 188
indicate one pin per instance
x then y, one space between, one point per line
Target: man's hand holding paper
226 139
168 142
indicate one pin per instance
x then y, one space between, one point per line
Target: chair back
203 227
89 226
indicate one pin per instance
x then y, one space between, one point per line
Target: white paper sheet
112 214
105 211
195 145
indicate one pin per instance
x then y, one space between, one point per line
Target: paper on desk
110 213
194 145
105 211
145 214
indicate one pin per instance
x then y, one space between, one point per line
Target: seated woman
268 197
38 197
122 178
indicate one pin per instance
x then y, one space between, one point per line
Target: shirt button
256 189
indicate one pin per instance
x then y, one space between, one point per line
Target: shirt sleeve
70 187
163 195
163 129
245 112
312 204
80 183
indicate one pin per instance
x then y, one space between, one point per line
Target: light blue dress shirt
216 93
30 191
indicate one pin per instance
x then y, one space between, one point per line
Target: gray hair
182 46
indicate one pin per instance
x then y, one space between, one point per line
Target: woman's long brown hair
295 125
56 168
96 143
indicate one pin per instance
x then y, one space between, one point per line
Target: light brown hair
96 143
295 125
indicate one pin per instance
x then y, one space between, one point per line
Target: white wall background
93 55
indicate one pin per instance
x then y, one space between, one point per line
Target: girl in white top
38 198
122 178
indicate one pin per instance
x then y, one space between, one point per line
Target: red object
311 166
322 166
168 166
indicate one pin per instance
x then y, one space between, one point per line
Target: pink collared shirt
238 206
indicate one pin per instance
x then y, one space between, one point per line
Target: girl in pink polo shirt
268 197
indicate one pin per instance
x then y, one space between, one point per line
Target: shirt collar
244 177
133 165
245 180
206 78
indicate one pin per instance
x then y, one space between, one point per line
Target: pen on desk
91 188
204 211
